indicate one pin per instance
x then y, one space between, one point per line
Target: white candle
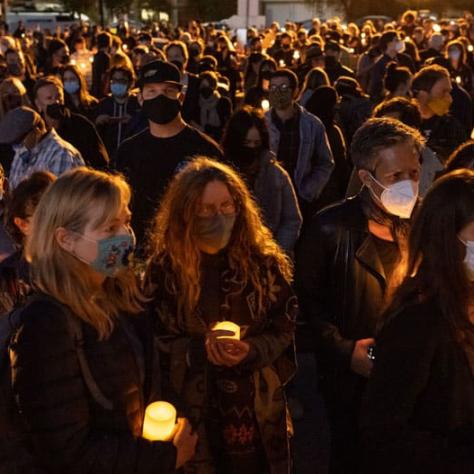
228 326
160 421
265 104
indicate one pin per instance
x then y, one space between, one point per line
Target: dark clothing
254 388
419 408
462 76
429 53
352 113
115 132
191 97
376 87
289 141
81 133
340 283
149 163
285 55
462 107
254 97
15 281
100 66
335 189
70 431
335 70
443 135
6 157
89 111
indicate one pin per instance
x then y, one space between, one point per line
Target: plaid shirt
51 154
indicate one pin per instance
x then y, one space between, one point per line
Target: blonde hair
71 202
5 87
174 247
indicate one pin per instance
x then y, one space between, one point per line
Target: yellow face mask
440 106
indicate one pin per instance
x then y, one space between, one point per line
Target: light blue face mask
118 90
71 87
113 253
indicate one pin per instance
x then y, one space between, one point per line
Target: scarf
208 110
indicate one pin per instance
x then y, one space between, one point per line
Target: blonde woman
82 357
12 94
214 260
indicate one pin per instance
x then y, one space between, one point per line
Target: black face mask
56 111
206 92
285 46
65 59
247 156
193 52
266 75
161 109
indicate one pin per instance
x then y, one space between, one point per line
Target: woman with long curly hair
214 260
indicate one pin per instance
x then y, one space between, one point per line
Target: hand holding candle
227 326
226 349
160 421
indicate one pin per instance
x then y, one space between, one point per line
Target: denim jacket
311 175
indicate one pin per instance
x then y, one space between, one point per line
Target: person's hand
360 362
225 351
102 119
214 351
184 441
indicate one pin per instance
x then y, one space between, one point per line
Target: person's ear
22 224
64 239
364 176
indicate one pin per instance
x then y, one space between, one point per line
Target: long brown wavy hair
174 247
436 255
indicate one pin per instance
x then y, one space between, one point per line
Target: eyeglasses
210 210
281 88
119 81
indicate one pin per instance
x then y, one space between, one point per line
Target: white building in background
296 10
263 12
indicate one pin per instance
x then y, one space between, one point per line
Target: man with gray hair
435 45
348 262
36 147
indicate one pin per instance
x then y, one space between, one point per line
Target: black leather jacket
340 282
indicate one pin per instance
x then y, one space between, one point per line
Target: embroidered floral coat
185 368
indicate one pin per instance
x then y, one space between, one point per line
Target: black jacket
81 133
70 431
340 284
419 408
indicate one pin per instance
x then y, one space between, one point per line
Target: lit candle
436 28
227 326
470 48
296 55
160 421
458 79
281 63
265 104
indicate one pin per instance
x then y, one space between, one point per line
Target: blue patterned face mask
113 253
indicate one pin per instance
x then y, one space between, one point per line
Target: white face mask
469 260
398 199
400 46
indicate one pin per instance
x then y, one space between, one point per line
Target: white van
34 20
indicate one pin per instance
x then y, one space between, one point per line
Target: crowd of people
156 182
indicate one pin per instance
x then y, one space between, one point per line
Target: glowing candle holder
265 104
228 326
160 421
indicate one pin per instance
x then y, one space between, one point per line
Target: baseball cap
17 123
159 71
